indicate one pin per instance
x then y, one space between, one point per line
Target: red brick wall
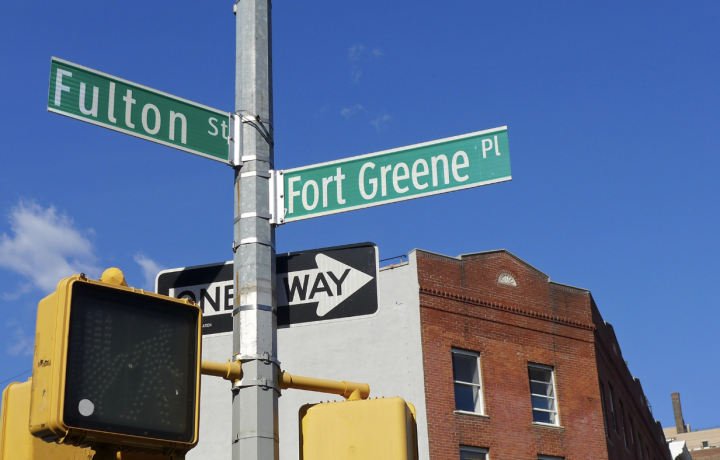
462 305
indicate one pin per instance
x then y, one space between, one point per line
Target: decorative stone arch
507 279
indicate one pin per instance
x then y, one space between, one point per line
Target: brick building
524 368
499 362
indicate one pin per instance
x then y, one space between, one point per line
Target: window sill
548 425
472 414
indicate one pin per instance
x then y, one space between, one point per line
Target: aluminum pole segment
255 397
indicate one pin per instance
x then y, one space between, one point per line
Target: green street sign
117 104
445 165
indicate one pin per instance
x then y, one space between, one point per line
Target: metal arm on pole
348 390
229 371
232 371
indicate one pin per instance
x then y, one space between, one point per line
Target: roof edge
462 256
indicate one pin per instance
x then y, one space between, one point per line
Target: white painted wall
383 350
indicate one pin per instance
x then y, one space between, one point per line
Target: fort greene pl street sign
107 101
445 165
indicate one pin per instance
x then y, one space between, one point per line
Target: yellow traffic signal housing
371 429
116 366
16 442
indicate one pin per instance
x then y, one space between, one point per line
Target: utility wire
22 373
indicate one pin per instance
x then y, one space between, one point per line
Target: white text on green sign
120 105
415 171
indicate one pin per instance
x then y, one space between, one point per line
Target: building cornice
505 308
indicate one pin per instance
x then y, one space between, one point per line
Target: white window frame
479 386
476 450
555 397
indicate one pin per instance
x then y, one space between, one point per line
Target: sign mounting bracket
277 197
237 119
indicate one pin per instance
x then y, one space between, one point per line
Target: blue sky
611 109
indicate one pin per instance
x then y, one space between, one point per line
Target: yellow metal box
115 365
371 429
16 442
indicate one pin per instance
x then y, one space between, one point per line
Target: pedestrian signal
116 366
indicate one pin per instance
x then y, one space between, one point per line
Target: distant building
702 444
679 451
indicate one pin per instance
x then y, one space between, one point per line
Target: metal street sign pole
255 398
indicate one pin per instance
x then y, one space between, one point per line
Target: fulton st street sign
312 286
445 165
113 103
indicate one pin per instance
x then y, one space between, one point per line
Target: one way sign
312 286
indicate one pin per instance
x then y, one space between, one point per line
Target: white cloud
381 121
23 289
44 247
150 270
355 74
21 343
348 112
355 52
358 54
361 53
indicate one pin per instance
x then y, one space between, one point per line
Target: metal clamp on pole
348 390
265 357
235 141
262 383
252 240
258 306
258 123
258 240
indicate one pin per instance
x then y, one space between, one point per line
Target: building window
622 419
473 453
466 375
640 446
542 393
602 402
612 408
547 457
705 444
632 437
